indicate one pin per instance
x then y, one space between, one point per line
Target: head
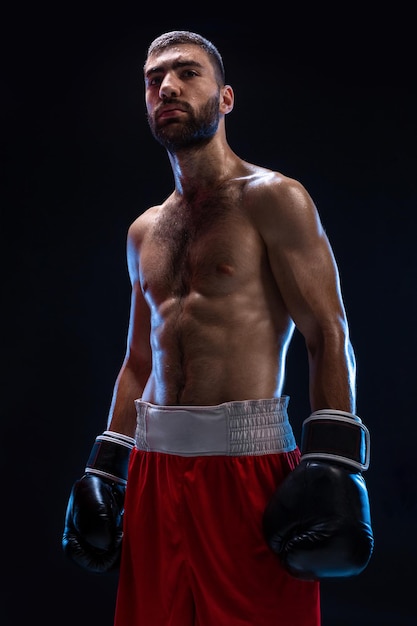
186 96
178 37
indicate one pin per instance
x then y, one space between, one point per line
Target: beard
199 127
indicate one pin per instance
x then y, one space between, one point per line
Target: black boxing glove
318 521
93 529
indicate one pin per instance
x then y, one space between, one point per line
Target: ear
227 99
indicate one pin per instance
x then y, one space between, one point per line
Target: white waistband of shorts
241 428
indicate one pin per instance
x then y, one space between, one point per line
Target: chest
213 252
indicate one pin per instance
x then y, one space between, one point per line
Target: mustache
184 106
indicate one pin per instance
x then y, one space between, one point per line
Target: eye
189 74
154 81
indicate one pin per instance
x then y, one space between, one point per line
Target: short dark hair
175 37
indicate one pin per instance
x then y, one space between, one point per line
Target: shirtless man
198 448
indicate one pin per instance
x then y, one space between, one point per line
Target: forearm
333 376
128 388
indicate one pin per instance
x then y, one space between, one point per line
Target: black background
324 94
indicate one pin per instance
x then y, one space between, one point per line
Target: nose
169 87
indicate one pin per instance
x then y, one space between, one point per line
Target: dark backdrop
325 96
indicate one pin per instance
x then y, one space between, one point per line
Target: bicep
308 280
304 266
138 350
138 340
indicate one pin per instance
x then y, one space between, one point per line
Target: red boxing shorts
193 550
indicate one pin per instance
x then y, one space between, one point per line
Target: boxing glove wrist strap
336 436
109 456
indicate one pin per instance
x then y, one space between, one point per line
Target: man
223 524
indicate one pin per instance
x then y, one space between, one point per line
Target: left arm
318 521
307 277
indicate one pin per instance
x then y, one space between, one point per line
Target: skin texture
226 267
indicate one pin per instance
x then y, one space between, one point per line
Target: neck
201 167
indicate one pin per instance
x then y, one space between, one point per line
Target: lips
168 111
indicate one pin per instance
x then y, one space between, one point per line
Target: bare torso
226 267
219 328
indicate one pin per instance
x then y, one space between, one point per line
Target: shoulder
279 206
136 234
141 225
275 191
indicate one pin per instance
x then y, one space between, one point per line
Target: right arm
137 363
93 528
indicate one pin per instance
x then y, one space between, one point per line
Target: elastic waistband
241 428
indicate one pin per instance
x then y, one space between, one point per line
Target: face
182 97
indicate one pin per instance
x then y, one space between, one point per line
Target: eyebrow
157 69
